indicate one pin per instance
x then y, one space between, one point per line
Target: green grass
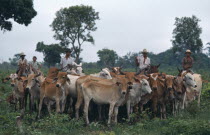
192 121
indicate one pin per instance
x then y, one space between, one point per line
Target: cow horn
158 65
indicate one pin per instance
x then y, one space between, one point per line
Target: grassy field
192 121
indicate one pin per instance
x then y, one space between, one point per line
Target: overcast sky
124 25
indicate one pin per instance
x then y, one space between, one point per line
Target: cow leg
111 107
77 107
183 101
58 109
32 104
128 109
154 107
99 112
161 112
164 111
116 113
71 105
40 105
199 99
49 108
87 102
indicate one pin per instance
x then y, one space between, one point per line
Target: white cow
189 83
139 88
194 92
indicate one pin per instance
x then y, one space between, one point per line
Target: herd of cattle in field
110 86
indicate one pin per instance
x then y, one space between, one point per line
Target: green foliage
14 60
74 25
21 11
107 57
186 35
51 52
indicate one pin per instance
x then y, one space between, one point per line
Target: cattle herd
110 86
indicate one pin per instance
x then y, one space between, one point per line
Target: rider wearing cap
187 61
143 62
67 62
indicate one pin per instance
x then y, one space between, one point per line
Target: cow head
105 73
32 81
62 78
117 70
189 80
169 82
154 68
13 79
153 80
178 85
53 72
145 87
124 85
79 69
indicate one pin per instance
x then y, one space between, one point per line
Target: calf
53 91
113 95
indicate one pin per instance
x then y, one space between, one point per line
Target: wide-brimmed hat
188 51
144 51
22 54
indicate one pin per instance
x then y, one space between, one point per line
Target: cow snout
12 84
123 92
130 87
179 92
169 88
57 85
154 88
195 86
27 88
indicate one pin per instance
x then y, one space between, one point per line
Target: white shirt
142 64
64 62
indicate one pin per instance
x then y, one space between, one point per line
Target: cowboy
22 63
35 66
143 62
67 62
187 61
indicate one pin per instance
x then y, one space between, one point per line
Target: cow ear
118 83
136 80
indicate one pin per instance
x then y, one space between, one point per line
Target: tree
208 48
186 35
21 11
51 52
107 57
74 25
14 60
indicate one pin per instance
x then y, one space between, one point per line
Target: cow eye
63 76
145 84
32 79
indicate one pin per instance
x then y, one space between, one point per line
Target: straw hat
144 51
188 51
22 54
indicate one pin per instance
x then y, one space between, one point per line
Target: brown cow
18 85
113 94
48 87
34 82
53 90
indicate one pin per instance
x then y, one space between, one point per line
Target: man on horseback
67 62
34 65
22 65
187 61
143 62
